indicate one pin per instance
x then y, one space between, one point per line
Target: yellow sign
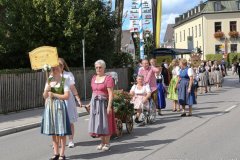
45 55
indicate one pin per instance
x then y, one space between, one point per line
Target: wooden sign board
42 56
196 59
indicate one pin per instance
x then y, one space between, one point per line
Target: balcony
233 34
219 35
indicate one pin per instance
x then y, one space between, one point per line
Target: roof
208 8
170 51
169 33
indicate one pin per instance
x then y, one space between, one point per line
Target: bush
213 57
233 57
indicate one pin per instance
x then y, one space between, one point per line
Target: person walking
55 121
71 103
172 92
148 72
238 69
161 89
102 121
202 78
186 94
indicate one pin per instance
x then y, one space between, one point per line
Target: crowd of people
177 81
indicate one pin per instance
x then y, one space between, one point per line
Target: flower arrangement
218 34
122 103
233 34
47 68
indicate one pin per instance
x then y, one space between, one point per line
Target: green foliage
121 103
233 57
122 59
212 57
28 24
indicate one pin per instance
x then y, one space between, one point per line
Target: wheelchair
148 115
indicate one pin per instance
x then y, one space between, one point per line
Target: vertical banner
158 23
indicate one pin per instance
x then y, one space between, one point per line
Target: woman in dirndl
186 94
161 89
203 82
55 121
71 103
102 121
172 92
218 74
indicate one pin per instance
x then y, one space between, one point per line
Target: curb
13 130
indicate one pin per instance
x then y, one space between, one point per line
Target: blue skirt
55 120
161 96
185 98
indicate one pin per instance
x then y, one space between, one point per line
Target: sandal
106 147
62 158
55 157
100 146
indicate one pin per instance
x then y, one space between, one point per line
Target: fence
24 90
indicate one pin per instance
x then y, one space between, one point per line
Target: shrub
212 57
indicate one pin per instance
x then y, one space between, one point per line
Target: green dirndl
172 92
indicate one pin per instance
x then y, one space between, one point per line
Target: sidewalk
24 120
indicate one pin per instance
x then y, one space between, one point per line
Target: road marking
230 108
86 119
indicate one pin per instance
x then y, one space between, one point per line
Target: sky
170 10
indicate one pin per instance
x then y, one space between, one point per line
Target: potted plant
233 34
218 34
122 103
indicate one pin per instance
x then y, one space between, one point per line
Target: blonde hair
174 62
184 61
65 66
101 63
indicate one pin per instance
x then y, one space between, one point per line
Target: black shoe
55 157
183 115
137 120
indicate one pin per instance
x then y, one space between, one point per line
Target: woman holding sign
55 120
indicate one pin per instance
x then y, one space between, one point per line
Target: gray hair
140 76
101 63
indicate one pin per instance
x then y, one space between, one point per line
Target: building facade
168 41
127 44
212 27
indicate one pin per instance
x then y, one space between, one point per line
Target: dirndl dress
185 98
172 92
55 120
160 93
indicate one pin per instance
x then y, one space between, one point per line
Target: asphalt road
213 133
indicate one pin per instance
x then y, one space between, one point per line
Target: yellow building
212 26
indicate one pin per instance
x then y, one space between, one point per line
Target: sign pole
84 71
141 30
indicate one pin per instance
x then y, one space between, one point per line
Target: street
212 133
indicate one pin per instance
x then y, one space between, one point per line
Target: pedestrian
234 69
148 72
202 84
55 121
153 62
161 89
185 87
71 103
137 66
141 94
102 121
209 69
172 92
238 69
218 74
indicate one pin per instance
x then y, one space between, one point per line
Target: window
233 26
217 6
192 32
218 49
233 48
199 30
180 36
195 31
238 5
218 26
184 35
189 32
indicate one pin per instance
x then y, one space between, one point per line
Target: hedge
232 57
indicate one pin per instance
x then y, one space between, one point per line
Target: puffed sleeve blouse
101 88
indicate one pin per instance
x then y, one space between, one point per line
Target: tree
28 24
